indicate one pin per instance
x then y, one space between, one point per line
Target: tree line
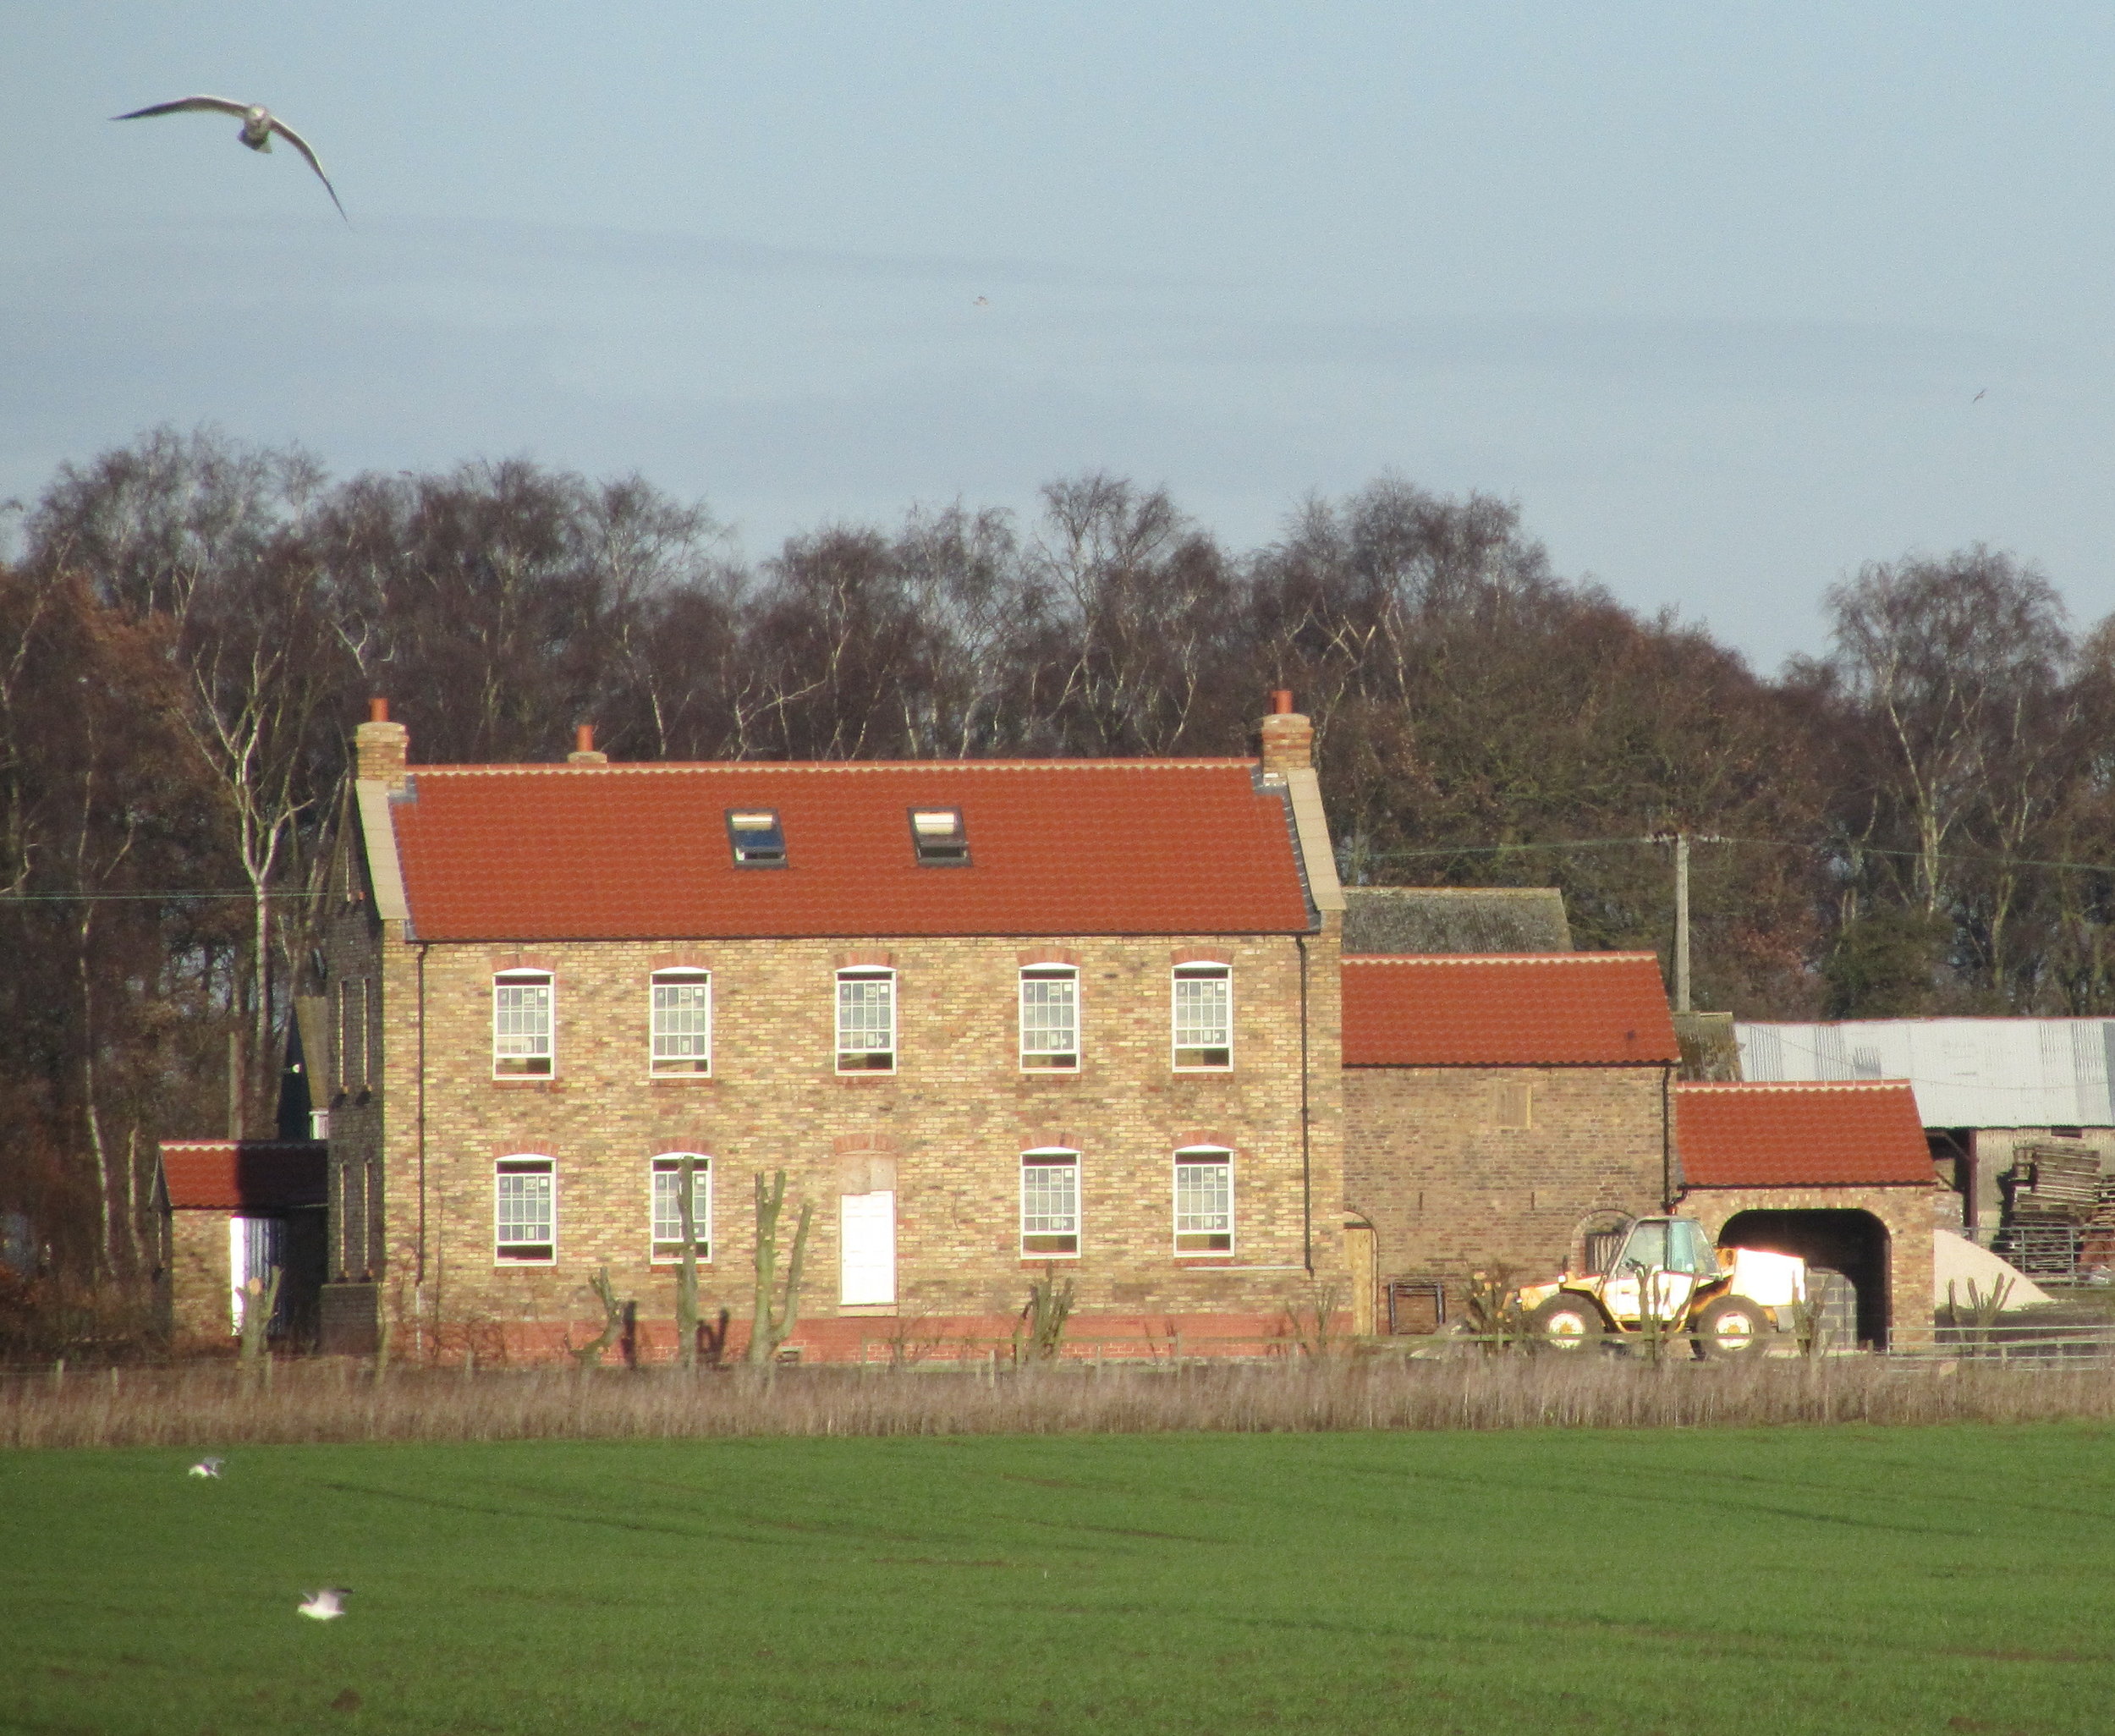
1918 819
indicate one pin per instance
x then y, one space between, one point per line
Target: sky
1710 292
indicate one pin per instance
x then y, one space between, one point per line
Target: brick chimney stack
1288 738
380 747
584 753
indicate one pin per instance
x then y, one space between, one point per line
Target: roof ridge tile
1498 958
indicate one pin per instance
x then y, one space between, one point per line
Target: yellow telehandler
1725 1301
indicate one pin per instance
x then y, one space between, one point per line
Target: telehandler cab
1725 1301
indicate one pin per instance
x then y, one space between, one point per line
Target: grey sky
1709 291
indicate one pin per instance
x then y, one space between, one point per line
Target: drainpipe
1666 1138
1306 1153
418 1296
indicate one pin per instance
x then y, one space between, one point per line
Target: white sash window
1203 1201
1050 1204
681 1022
524 1211
1050 1018
523 1021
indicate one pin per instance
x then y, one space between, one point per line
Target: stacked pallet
2096 1247
2056 1185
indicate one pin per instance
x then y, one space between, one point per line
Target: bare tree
1946 656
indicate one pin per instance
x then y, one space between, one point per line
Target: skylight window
937 833
759 840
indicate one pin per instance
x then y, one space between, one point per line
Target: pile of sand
1957 1261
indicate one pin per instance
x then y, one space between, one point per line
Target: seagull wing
204 105
301 145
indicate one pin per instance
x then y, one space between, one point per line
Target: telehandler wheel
1569 1325
1727 1328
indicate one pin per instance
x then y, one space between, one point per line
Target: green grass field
1785 1582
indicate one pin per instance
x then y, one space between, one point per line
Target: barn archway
1854 1242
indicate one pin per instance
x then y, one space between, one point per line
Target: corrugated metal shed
1966 1072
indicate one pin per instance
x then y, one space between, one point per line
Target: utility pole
1682 841
1681 922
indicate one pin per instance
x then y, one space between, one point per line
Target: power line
1784 843
141 896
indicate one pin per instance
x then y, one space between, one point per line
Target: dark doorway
1853 1243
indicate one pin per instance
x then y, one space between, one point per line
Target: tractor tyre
1569 1325
1728 1329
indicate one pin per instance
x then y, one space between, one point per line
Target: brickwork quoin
946 1128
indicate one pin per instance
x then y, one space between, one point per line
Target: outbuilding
1837 1172
237 1210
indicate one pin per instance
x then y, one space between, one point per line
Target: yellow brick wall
1449 1192
199 1278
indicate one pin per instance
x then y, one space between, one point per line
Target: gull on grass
326 1605
207 1467
259 123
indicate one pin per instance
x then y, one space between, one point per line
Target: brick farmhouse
995 1019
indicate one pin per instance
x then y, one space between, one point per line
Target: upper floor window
525 1210
681 1022
1050 1018
668 1204
1204 1017
1050 1203
522 1023
759 841
1203 1201
936 835
866 1021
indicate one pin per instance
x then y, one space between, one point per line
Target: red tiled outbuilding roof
642 852
1498 1010
244 1175
1844 1133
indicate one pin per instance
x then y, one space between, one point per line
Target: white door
866 1248
255 1247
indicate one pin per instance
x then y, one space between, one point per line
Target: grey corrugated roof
1966 1072
1455 919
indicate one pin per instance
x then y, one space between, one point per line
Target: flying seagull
259 123
326 1605
207 1467
1979 396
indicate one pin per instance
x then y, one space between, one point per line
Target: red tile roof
641 852
1844 1133
1502 1009
231 1175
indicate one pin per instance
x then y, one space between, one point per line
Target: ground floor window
526 1211
668 1185
1050 1203
1203 1202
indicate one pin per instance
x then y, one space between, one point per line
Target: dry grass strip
334 1401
